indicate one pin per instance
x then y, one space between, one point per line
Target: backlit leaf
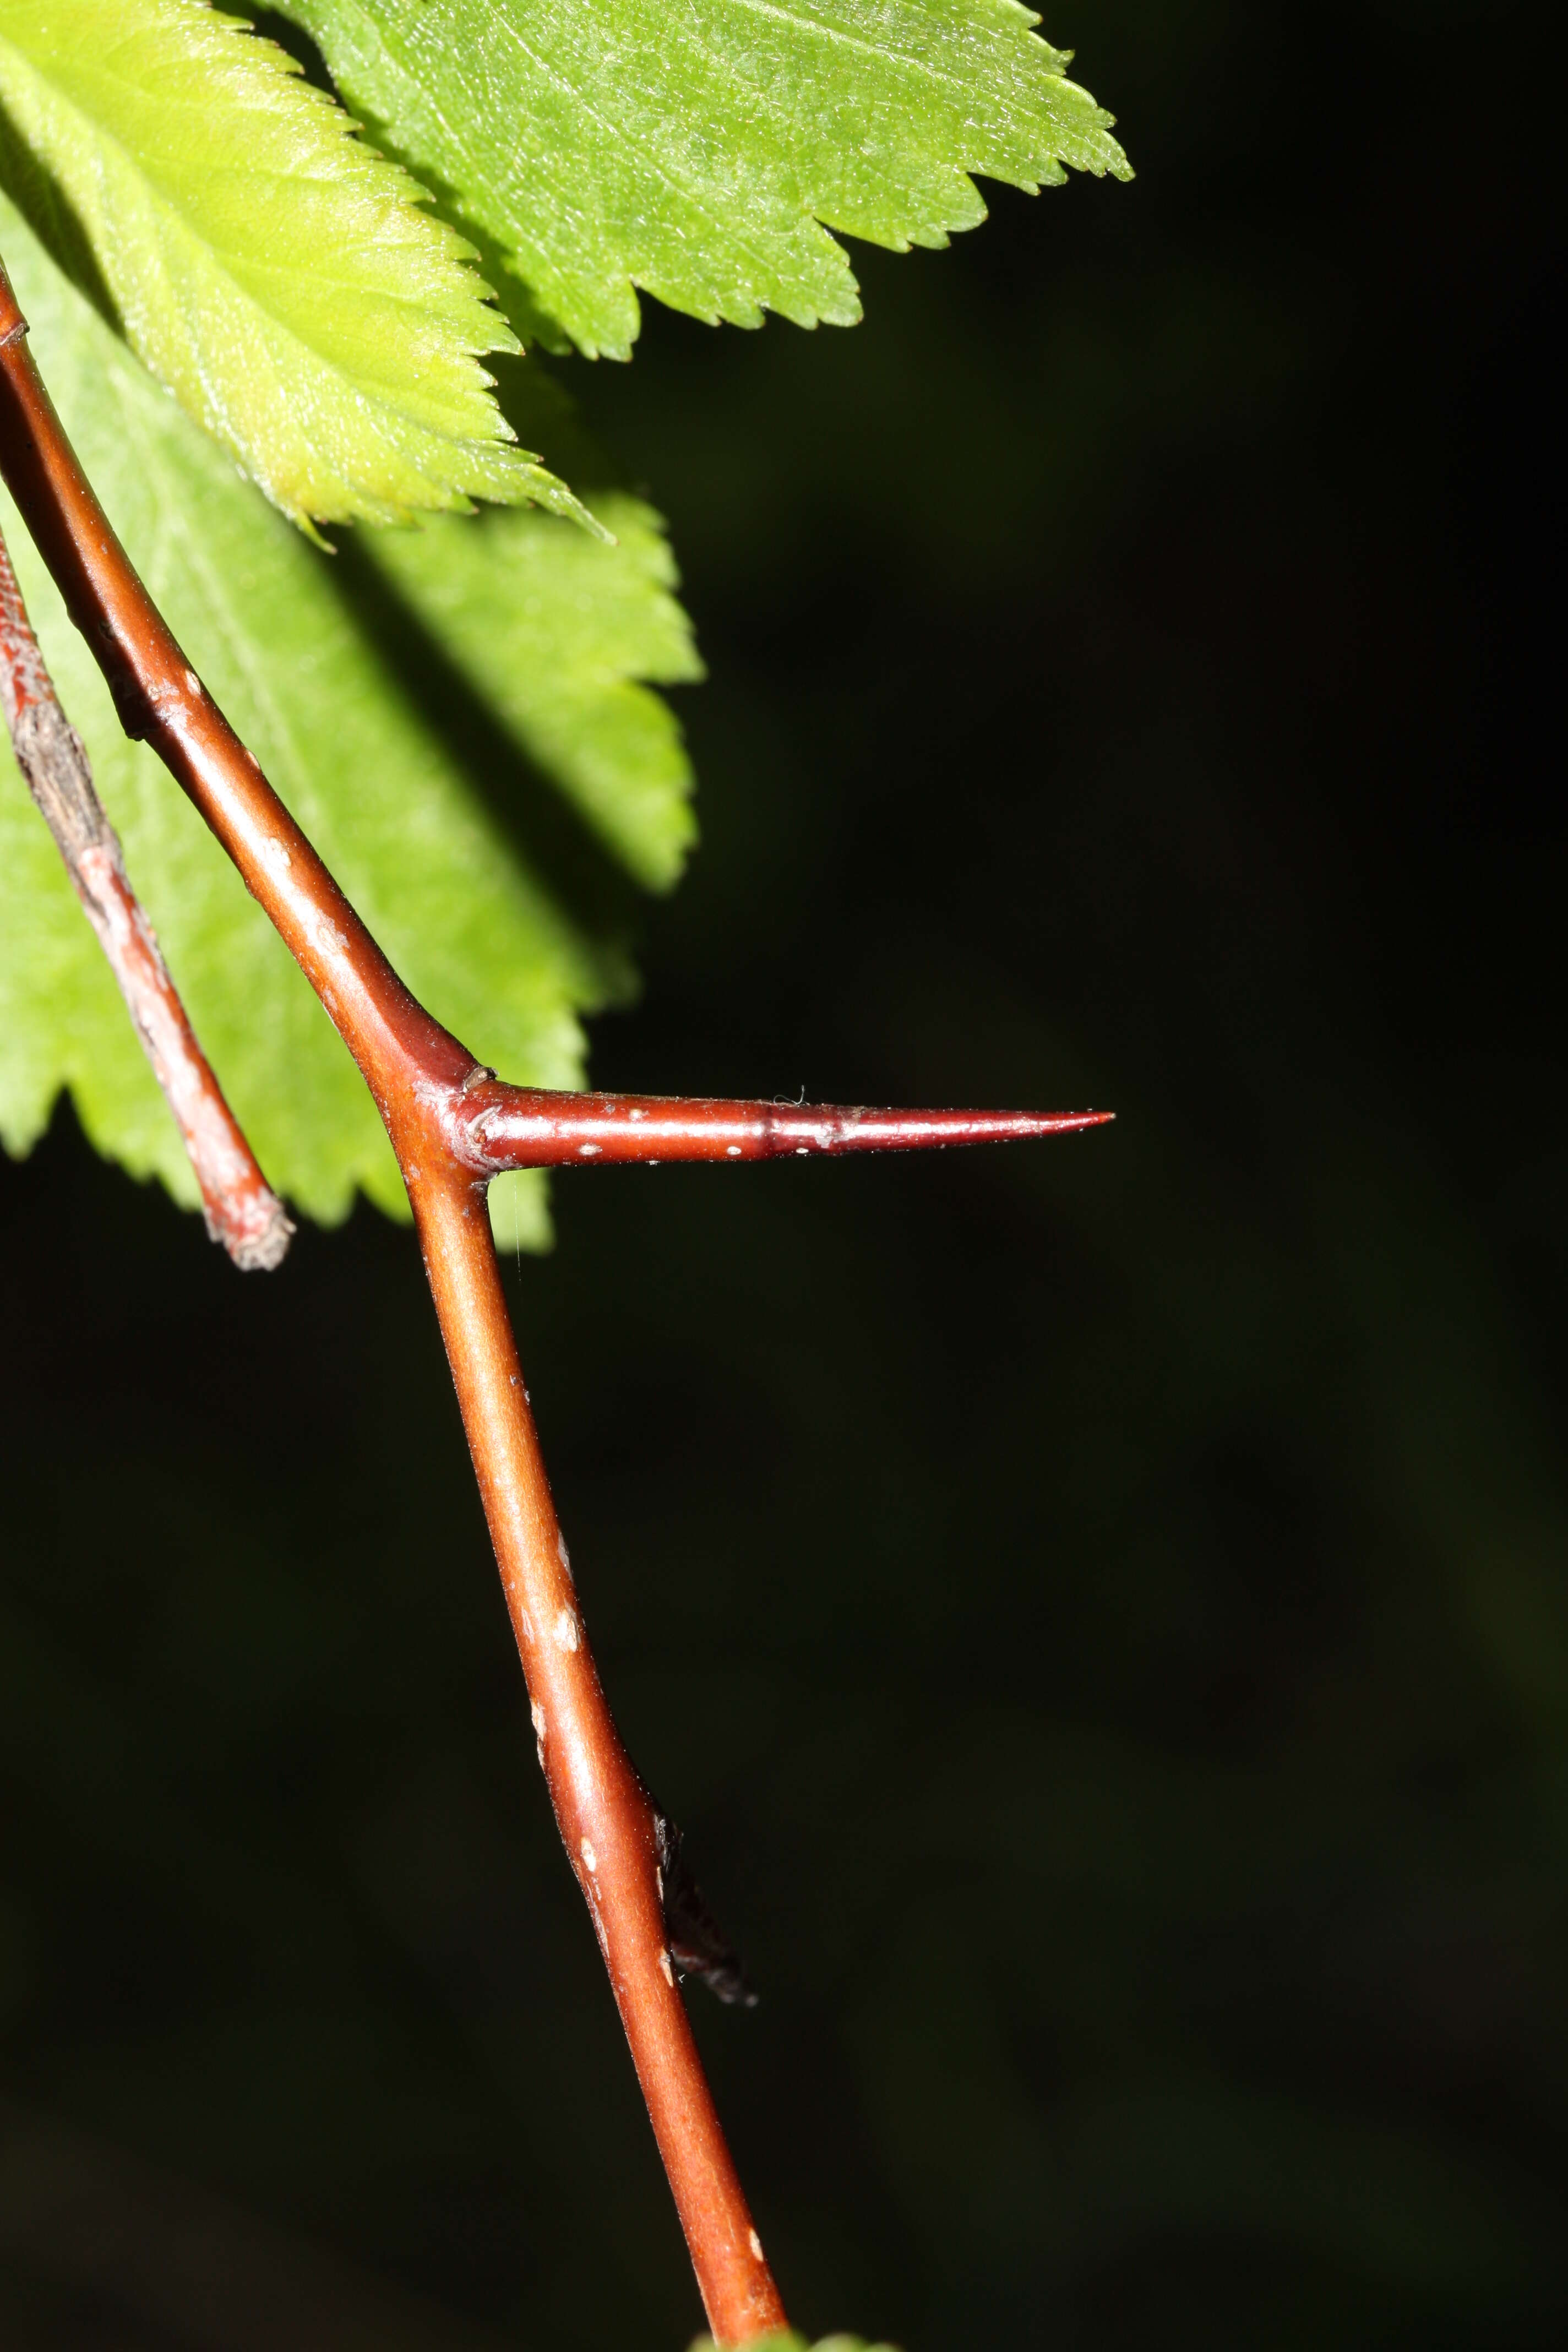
595 146
556 629
277 275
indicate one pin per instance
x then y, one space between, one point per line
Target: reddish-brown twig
242 1211
453 1125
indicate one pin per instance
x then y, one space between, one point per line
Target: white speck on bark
590 1859
665 1969
565 1629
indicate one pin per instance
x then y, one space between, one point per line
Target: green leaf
789 2342
593 146
277 275
555 629
269 625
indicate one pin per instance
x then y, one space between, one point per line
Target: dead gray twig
242 1211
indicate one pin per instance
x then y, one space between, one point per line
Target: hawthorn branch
417 1074
242 1212
453 1125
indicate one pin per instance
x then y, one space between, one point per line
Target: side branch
242 1211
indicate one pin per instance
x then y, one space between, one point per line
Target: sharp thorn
517 1127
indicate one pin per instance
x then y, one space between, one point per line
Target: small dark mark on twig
698 1945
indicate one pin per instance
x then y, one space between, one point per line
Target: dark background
1099 1610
